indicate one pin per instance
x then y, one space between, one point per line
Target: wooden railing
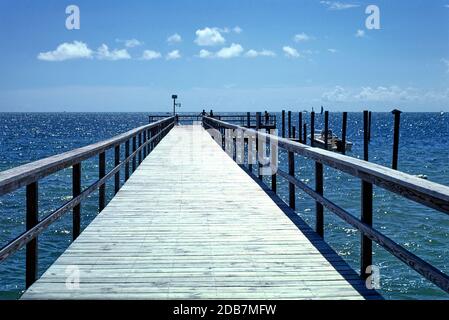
249 120
142 140
429 194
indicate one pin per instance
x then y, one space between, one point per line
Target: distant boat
334 143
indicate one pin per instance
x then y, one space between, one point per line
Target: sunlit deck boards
191 224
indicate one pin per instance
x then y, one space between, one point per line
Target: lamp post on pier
174 97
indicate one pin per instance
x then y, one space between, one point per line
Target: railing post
140 150
289 123
76 191
343 132
319 228
273 154
259 172
366 245
127 160
326 129
369 126
304 139
248 119
291 186
133 151
365 135
300 126
102 189
397 120
32 218
116 163
145 145
294 132
283 124
312 128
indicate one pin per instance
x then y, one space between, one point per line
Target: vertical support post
76 191
312 128
291 186
126 159
300 126
319 228
116 163
365 135
248 119
134 150
289 123
343 132
326 129
294 132
258 114
273 154
32 218
397 120
283 124
304 139
369 126
140 151
144 142
102 189
366 245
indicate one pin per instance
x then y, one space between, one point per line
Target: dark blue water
424 149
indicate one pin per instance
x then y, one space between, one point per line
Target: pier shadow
337 262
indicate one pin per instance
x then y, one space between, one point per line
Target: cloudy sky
227 55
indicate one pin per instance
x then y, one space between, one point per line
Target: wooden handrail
29 174
428 193
23 175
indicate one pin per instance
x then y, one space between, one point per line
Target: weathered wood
430 272
397 121
366 246
428 193
101 174
319 220
291 186
21 176
127 153
326 129
312 129
198 246
283 124
116 163
343 131
32 218
76 191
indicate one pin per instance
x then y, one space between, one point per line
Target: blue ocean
424 150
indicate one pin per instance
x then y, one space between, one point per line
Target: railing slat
32 216
101 174
76 191
319 223
116 163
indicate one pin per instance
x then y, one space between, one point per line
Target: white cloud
237 29
67 51
331 50
300 37
446 63
132 43
290 52
263 53
233 51
173 55
374 94
103 53
151 55
174 38
209 37
336 5
360 33
205 54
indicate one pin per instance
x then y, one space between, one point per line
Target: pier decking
192 224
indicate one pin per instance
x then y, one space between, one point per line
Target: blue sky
233 55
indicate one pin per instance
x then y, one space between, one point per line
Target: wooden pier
191 223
